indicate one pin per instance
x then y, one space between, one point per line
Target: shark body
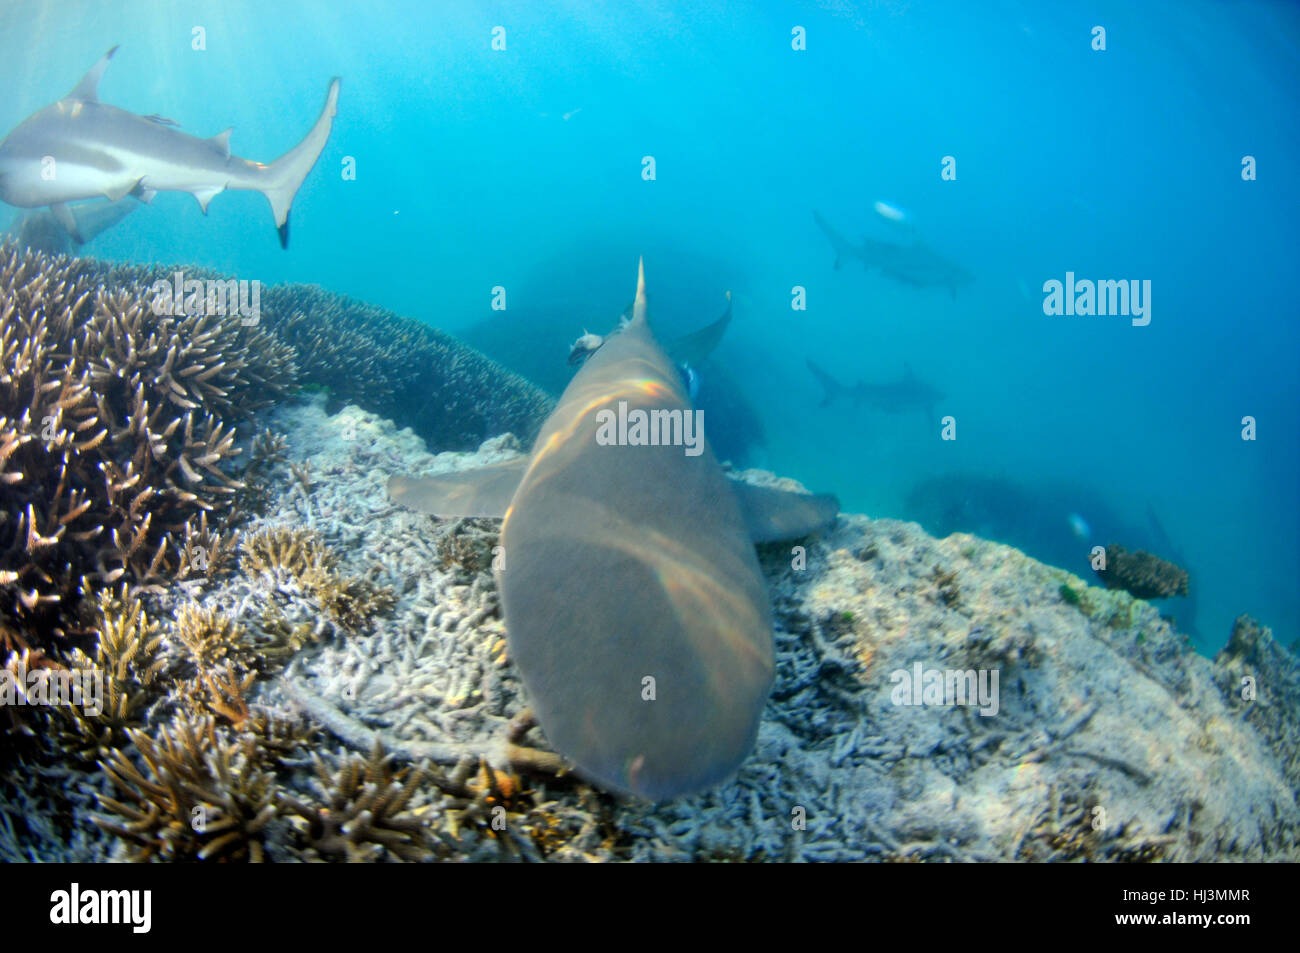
634 604
79 148
907 393
913 263
43 231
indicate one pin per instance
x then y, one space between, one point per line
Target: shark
79 148
907 393
634 605
913 263
45 232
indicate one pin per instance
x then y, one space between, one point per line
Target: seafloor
335 685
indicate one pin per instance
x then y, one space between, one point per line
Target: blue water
522 169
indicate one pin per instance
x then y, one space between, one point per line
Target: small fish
891 212
584 347
1079 526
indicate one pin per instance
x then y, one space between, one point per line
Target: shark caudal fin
286 174
691 349
833 388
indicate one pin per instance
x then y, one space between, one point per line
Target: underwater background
522 169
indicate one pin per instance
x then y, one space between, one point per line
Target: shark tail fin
833 388
691 349
286 174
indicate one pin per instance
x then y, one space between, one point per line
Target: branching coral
194 795
448 393
125 660
364 811
116 433
300 557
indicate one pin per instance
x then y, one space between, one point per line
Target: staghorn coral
362 812
194 794
222 659
125 658
448 393
1141 574
116 432
300 558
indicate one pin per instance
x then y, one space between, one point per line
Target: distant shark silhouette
914 263
100 151
628 562
909 393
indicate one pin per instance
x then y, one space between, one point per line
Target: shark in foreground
634 604
79 148
913 263
908 393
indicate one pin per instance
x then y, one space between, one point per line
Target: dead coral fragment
195 796
1141 574
468 546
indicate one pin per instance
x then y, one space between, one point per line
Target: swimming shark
913 263
79 148
43 231
634 605
907 393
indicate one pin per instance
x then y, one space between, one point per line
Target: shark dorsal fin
639 302
87 91
222 141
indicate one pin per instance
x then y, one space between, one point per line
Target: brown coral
116 433
125 659
363 812
1141 574
196 795
301 558
448 393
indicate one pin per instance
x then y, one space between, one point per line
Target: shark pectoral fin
63 215
204 196
118 192
483 492
771 515
87 91
93 218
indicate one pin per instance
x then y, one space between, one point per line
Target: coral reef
116 434
1260 681
363 811
404 734
449 394
1100 704
301 559
195 795
1141 574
